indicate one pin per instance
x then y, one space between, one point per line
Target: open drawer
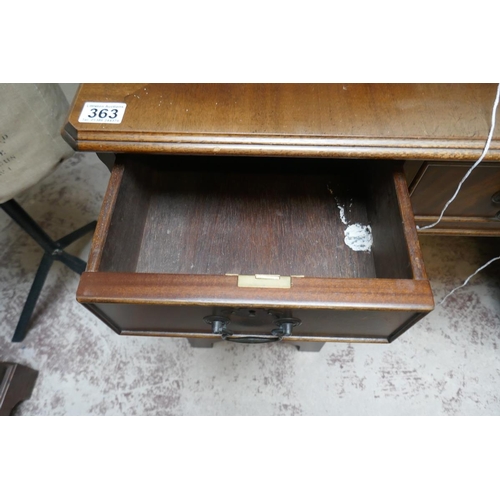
256 250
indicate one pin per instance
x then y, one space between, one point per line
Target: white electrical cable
486 147
469 278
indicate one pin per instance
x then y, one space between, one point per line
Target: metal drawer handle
495 199
219 327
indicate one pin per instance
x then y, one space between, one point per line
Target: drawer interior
286 216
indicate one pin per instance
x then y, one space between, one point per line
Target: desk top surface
390 121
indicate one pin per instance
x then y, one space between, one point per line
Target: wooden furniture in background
212 182
476 209
16 385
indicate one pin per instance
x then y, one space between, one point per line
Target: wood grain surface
315 293
317 325
389 121
103 222
476 209
440 181
269 219
278 216
193 222
459 226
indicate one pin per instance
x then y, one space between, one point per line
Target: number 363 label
102 112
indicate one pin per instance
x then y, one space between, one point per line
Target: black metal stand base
53 251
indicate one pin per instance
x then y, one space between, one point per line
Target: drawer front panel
329 309
188 321
475 199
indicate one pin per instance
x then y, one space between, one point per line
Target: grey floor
448 364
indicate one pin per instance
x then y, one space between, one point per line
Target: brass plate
264 281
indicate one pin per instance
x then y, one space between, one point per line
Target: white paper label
102 112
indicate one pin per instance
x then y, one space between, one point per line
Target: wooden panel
412 243
390 247
309 343
411 168
386 121
216 221
124 233
440 181
315 293
322 325
104 220
459 226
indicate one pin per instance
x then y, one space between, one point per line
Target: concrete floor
448 364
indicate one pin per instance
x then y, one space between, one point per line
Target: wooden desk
213 182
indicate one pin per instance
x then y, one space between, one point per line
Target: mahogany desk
228 204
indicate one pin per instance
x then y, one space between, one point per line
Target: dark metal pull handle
219 327
495 199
